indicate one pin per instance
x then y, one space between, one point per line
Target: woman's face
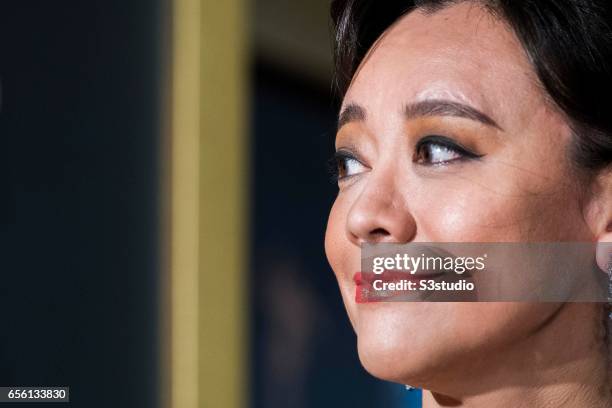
447 137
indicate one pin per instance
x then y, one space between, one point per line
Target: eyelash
446 143
342 157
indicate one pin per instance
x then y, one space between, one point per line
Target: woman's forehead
459 53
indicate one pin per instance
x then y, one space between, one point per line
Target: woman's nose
380 214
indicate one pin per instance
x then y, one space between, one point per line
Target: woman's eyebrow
351 113
432 107
441 107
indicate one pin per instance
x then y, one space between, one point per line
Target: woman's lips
366 293
364 284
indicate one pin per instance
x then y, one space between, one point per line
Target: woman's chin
398 361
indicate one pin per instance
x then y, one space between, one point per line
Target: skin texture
521 189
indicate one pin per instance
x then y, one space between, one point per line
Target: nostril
379 232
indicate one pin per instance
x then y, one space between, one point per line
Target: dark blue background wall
79 126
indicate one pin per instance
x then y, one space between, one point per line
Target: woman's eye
432 153
344 165
440 150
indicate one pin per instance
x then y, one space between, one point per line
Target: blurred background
166 196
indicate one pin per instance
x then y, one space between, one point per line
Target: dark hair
569 43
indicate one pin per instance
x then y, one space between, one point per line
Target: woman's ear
601 219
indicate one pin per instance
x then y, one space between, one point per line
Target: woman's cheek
343 255
481 206
333 237
463 216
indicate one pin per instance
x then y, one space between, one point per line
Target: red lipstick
366 289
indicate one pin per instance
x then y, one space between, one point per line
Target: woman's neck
553 367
